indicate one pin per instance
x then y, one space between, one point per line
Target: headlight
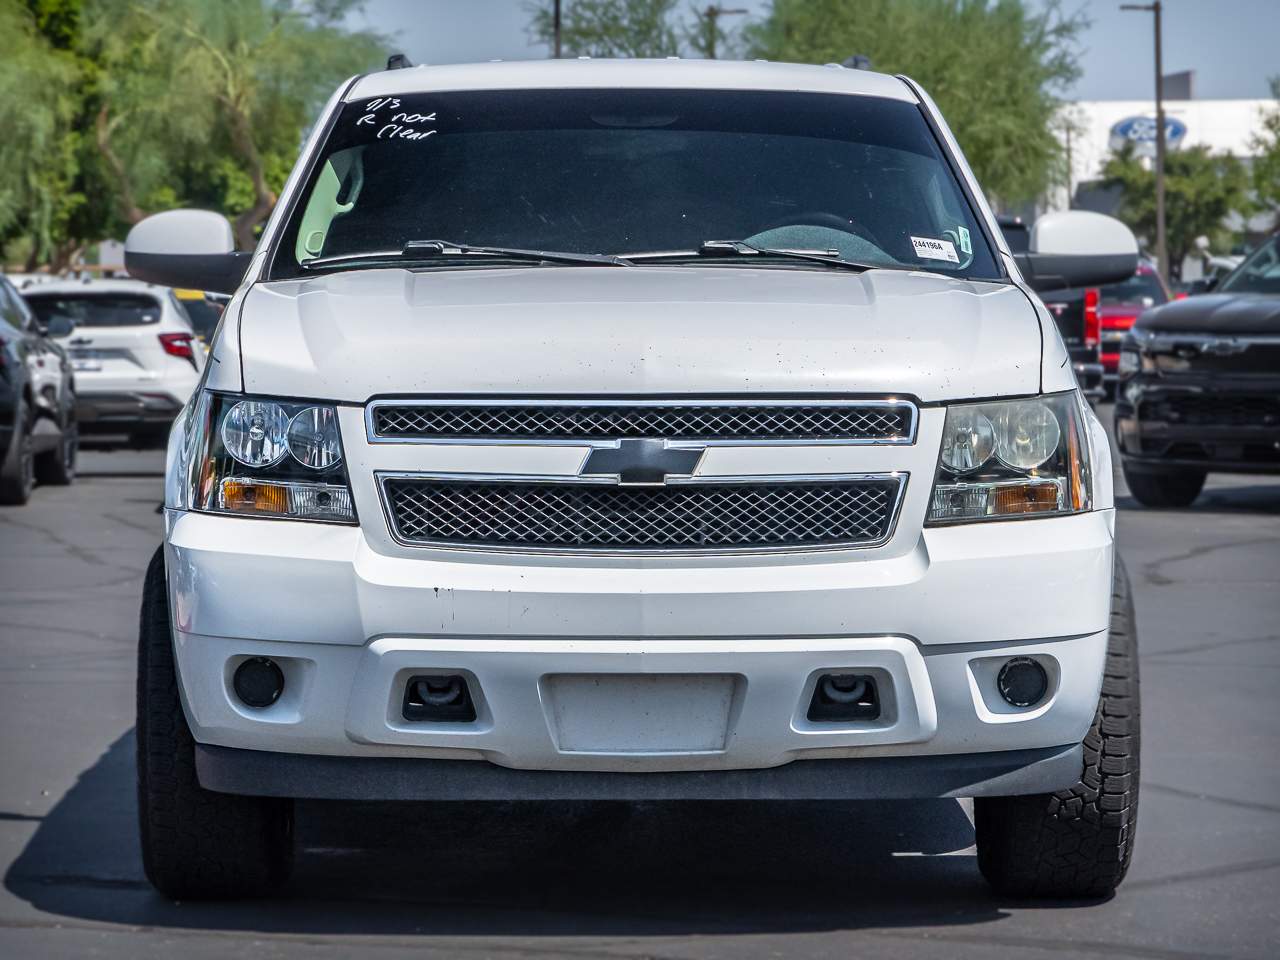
258 457
1014 458
254 432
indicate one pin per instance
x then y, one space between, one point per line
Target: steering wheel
824 218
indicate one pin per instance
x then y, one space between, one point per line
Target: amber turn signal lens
245 496
1023 498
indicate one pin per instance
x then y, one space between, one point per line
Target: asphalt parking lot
616 880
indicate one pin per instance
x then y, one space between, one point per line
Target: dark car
1200 386
38 435
1075 311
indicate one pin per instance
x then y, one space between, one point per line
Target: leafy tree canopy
37 110
994 67
117 108
609 28
1201 190
1266 162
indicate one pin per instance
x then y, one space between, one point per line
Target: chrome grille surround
588 420
697 516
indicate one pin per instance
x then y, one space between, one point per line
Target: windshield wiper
418 250
740 248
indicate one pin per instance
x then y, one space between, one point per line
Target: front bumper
118 412
646 666
998 774
1198 424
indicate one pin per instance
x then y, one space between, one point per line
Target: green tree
37 110
609 28
116 108
1201 190
1266 163
995 68
252 74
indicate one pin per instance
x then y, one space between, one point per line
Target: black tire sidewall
17 472
196 844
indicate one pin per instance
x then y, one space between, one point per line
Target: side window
26 317
9 313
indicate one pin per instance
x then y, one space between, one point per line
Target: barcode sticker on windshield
930 249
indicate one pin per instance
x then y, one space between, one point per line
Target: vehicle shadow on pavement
1256 498
526 869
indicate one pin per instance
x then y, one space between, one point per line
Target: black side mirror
1077 248
194 249
58 326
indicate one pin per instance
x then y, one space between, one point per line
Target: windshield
1142 288
96 310
635 172
1259 273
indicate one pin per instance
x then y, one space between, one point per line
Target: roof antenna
398 61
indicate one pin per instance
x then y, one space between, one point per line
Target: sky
1232 45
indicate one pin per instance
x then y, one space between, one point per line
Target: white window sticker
929 249
965 245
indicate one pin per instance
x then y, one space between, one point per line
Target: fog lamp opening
1022 682
258 682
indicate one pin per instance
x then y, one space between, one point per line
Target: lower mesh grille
705 516
1224 409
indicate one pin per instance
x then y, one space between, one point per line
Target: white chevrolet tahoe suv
636 430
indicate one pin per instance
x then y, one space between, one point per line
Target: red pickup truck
1119 305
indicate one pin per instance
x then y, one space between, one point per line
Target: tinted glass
1140 288
9 307
1259 273
631 171
203 315
96 310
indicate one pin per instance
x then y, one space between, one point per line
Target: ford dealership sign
1141 133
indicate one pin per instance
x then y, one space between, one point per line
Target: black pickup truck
1199 386
1076 312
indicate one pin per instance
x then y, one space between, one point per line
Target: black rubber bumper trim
305 776
1147 464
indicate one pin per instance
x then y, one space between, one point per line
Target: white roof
95 286
673 73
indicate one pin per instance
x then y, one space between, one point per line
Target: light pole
1162 260
713 13
555 28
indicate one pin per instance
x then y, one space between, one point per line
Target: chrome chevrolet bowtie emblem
1224 348
641 461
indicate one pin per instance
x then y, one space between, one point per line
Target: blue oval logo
1141 131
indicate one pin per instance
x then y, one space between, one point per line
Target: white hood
643 330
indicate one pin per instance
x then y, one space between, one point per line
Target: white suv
637 430
135 356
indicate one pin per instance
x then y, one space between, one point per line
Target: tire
57 467
17 471
1077 843
196 844
1172 489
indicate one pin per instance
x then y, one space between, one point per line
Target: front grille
858 421
703 516
1218 409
